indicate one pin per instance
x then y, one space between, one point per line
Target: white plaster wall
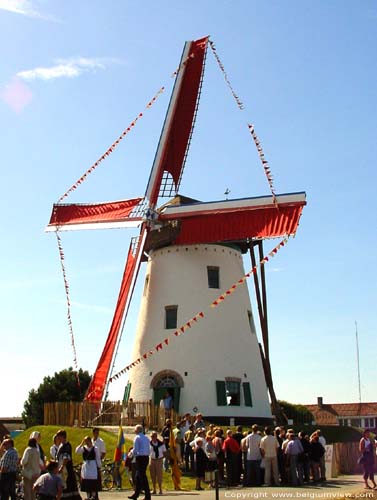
220 345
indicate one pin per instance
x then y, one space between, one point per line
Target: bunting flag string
201 314
265 165
240 105
183 63
69 319
222 68
112 147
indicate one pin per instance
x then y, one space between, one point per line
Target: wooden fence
107 413
345 456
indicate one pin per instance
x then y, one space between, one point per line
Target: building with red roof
363 415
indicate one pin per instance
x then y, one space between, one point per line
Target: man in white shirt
142 451
99 443
269 445
253 457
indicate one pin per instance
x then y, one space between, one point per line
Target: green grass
75 436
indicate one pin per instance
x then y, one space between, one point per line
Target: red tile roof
330 413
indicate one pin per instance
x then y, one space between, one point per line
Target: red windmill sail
66 217
175 136
97 386
234 220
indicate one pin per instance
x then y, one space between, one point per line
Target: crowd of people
255 457
53 478
252 458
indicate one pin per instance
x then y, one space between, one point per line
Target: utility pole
358 361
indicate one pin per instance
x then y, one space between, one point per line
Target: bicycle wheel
107 481
19 487
78 475
20 491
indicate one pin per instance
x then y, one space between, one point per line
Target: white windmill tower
193 252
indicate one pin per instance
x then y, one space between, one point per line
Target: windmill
193 250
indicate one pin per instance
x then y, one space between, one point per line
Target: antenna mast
358 360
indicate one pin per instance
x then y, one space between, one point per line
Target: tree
63 386
298 413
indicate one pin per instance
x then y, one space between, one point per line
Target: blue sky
74 74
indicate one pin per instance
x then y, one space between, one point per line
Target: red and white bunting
183 63
201 314
265 165
221 66
240 105
111 148
69 319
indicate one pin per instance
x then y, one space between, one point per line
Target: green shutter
220 392
247 394
127 391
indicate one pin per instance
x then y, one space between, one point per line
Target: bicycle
107 474
110 475
77 470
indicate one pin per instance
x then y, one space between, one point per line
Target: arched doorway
167 381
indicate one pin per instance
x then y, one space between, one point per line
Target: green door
158 394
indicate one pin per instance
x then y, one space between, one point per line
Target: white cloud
24 7
66 68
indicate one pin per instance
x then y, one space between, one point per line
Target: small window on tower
213 277
233 391
251 321
171 317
